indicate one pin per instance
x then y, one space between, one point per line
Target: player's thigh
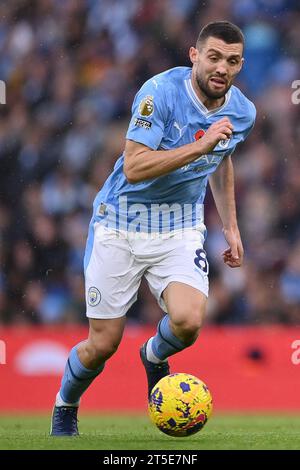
112 276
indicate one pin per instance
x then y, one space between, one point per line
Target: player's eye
213 59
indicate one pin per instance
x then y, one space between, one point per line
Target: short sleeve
247 123
250 122
149 115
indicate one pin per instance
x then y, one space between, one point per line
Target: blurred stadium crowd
72 68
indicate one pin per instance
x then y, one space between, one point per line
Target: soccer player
185 125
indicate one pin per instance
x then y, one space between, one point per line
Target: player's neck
209 103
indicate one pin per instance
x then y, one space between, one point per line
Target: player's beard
204 87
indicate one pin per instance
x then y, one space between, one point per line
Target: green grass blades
133 432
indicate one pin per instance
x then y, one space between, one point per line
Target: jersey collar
198 103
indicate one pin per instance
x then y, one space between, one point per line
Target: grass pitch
133 432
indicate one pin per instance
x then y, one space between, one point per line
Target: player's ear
193 53
242 63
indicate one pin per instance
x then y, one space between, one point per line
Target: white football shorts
116 261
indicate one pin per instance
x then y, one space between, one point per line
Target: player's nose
221 70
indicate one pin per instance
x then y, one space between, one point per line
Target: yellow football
180 404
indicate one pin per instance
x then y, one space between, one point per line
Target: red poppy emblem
199 134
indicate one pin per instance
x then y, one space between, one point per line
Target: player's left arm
222 187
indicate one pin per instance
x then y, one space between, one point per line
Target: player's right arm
142 163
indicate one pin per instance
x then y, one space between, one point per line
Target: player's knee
186 326
188 331
102 349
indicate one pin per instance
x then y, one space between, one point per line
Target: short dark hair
228 32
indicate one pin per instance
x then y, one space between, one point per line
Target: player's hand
219 130
234 255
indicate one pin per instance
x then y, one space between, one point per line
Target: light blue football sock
165 343
76 378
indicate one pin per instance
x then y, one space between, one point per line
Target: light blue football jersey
166 114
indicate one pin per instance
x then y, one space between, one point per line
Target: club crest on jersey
224 143
146 106
94 296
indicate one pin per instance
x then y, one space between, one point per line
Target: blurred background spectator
72 68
